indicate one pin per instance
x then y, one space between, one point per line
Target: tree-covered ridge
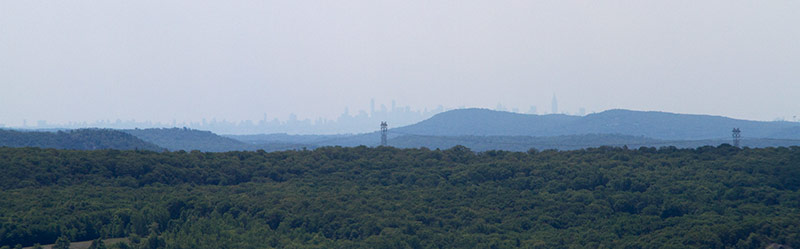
190 139
571 142
656 125
333 197
80 139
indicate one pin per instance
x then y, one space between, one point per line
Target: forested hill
81 139
483 130
569 142
658 125
360 197
189 139
487 143
286 138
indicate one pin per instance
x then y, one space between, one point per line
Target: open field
85 244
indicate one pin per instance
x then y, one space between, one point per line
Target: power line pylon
737 136
384 130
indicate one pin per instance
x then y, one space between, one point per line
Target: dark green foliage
97 244
81 139
61 243
333 197
121 245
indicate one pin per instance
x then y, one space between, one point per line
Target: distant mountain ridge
478 129
189 139
658 125
285 138
483 129
80 139
570 142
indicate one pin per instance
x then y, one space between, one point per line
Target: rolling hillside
175 139
478 129
81 139
570 142
285 138
481 129
188 139
658 125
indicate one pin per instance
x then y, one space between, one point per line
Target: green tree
62 243
97 244
121 245
154 242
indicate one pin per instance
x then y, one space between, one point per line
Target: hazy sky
162 60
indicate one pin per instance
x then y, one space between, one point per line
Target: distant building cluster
348 122
533 110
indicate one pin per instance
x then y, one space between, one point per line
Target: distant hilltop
81 139
658 125
478 129
483 129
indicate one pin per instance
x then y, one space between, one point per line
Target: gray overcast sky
162 60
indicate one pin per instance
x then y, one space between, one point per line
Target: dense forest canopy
360 197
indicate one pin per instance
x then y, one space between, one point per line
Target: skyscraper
555 104
532 110
372 107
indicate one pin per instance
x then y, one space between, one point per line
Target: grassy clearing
86 244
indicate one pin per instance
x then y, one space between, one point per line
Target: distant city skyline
348 122
235 60
357 121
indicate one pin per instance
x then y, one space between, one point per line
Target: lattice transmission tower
384 130
737 136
